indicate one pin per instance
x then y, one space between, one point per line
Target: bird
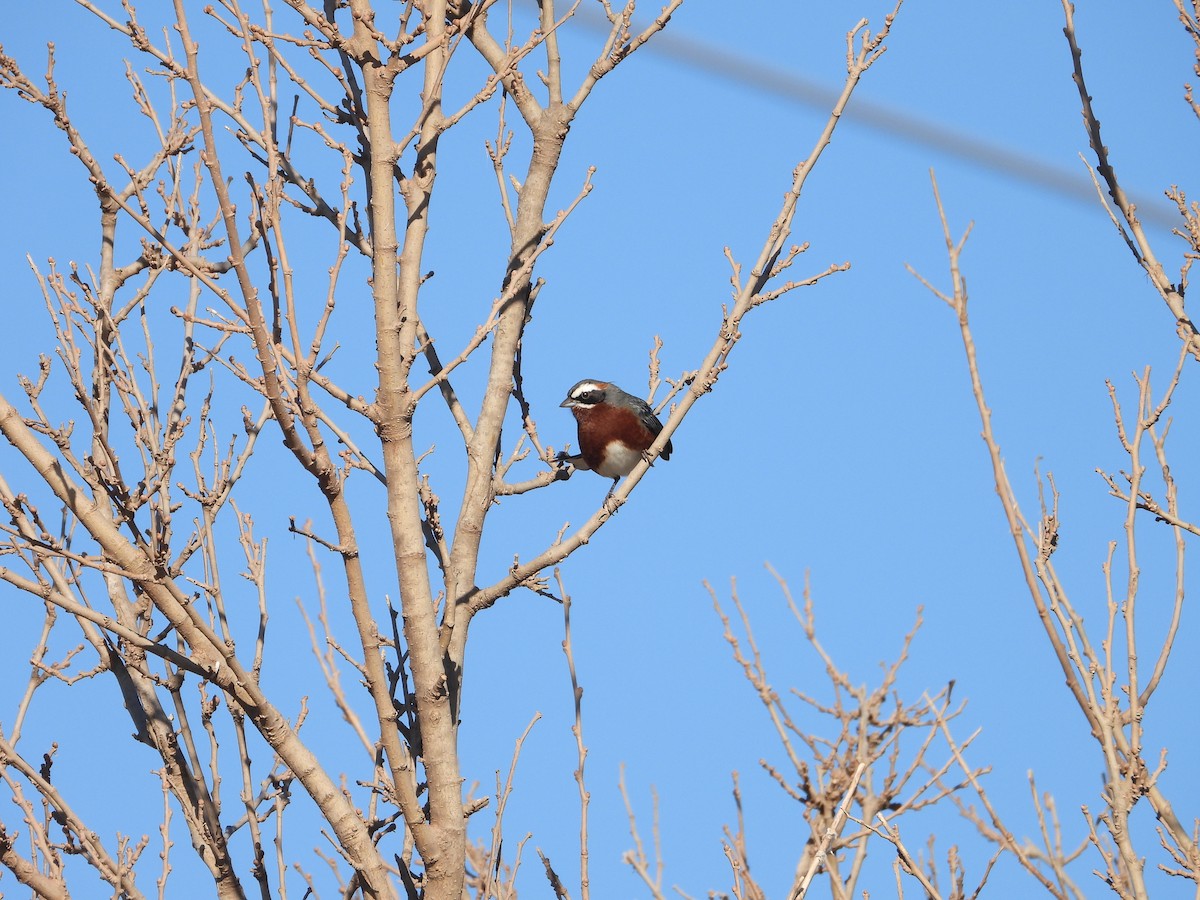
615 429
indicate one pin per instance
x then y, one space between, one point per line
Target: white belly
619 460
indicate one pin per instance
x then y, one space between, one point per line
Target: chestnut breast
602 431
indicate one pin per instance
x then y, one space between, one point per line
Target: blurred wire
716 61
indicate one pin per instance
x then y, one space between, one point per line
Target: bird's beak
568 402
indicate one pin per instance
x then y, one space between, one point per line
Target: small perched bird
615 429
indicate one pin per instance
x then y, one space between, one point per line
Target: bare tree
866 758
129 518
1099 671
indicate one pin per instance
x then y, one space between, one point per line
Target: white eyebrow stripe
585 387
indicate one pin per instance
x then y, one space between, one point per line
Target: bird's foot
611 503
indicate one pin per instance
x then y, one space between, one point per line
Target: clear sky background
842 444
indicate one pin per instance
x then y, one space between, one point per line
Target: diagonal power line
1011 164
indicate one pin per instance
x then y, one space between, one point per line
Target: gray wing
650 420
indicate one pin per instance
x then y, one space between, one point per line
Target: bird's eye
587 396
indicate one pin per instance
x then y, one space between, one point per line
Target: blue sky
843 442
